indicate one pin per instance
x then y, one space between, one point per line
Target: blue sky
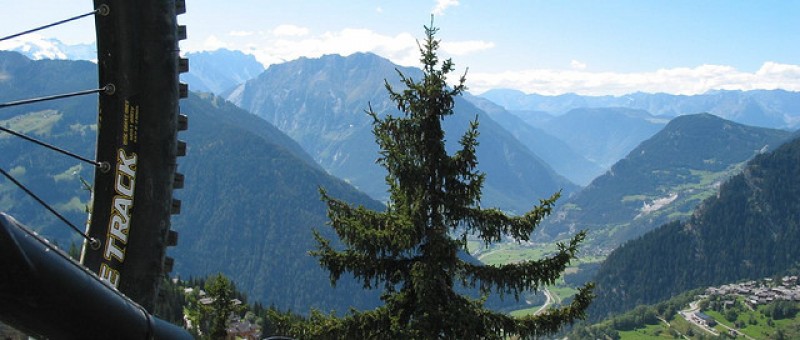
550 47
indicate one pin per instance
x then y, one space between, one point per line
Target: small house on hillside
709 321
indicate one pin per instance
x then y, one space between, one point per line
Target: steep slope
250 205
220 70
765 108
320 103
564 160
748 230
68 123
664 178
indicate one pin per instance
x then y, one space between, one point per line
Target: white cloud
459 48
290 31
681 80
773 68
442 5
772 75
577 65
213 43
291 42
401 49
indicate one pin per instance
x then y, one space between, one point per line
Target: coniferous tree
407 250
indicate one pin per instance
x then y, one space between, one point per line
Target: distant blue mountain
604 135
777 109
220 70
564 160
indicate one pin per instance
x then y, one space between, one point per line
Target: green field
511 252
524 312
35 123
648 332
757 325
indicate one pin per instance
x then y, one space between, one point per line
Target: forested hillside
664 178
749 230
68 123
249 207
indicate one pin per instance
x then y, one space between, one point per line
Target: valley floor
513 252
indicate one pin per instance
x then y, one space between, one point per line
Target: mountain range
218 71
320 103
210 71
777 109
36 47
251 198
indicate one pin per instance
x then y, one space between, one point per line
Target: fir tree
407 250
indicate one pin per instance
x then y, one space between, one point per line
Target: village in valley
758 293
750 295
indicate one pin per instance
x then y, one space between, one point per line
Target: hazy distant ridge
765 108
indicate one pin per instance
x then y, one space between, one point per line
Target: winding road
547 303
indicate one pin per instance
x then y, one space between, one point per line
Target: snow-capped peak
38 47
